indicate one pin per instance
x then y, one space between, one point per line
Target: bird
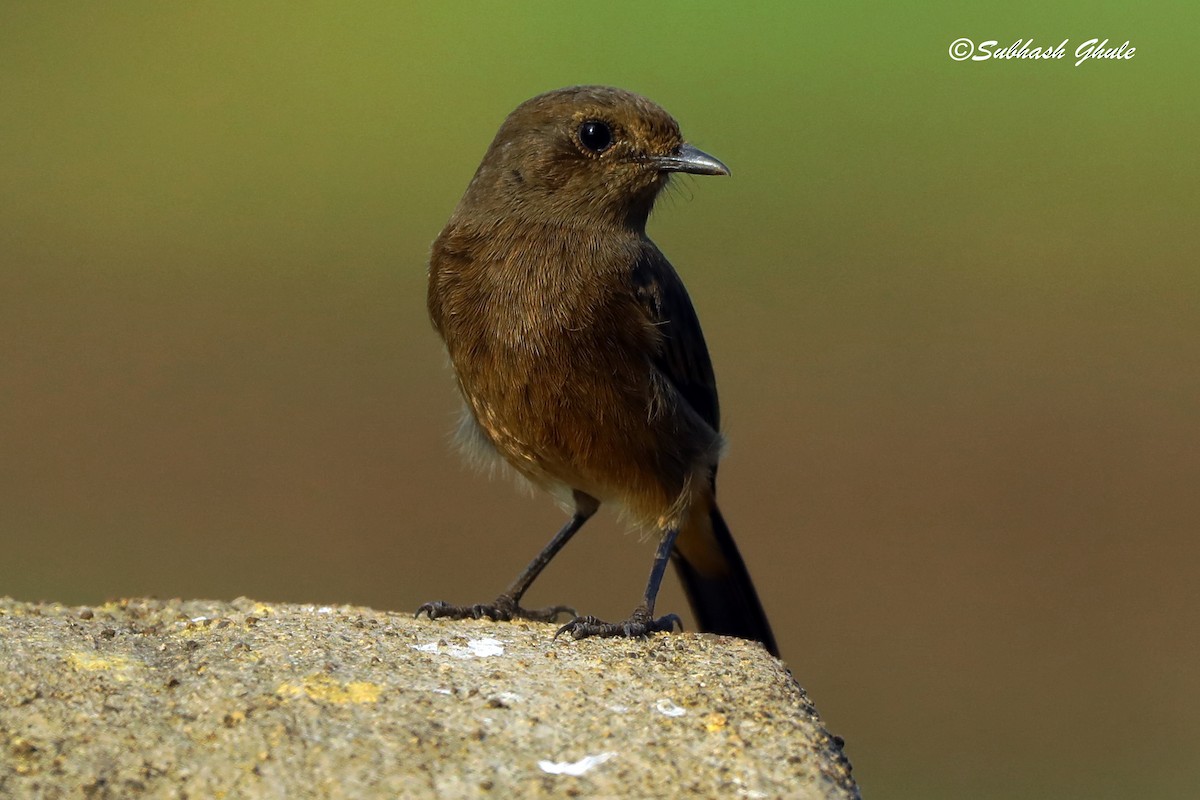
579 355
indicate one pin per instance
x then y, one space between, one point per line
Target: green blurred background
953 307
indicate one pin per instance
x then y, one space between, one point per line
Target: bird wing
683 356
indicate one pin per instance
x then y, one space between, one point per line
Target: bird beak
693 160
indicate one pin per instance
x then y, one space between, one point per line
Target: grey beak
693 160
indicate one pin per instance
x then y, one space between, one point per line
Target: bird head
583 155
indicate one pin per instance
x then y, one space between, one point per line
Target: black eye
595 136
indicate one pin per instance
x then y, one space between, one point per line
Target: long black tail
718 586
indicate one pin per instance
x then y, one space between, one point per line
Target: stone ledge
252 700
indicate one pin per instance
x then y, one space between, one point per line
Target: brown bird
578 353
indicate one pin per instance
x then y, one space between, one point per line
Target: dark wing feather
717 583
683 358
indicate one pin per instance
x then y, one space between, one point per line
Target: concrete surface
196 699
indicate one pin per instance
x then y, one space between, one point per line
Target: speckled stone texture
195 699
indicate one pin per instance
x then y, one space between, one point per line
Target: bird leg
642 621
507 606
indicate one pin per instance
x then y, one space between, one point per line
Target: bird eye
595 136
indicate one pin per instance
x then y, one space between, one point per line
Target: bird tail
716 581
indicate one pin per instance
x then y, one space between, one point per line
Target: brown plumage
577 350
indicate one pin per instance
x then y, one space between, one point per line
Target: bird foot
639 624
503 609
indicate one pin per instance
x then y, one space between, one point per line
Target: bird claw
504 609
639 624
